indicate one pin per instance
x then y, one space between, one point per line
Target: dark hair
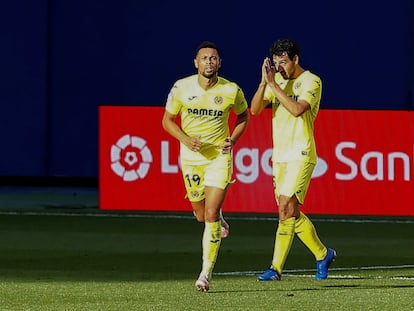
207 44
285 45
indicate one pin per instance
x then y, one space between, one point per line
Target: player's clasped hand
268 70
194 144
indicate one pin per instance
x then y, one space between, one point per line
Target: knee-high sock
284 238
306 232
211 246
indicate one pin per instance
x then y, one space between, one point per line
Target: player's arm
240 126
259 102
169 124
296 108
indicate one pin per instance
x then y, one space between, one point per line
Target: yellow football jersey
293 137
205 114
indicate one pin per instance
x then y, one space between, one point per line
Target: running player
295 94
204 101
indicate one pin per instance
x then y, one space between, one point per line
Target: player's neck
298 71
207 83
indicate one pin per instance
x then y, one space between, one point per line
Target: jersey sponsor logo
205 112
130 158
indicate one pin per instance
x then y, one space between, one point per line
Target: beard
209 75
209 72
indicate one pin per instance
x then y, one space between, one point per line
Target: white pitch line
22 212
357 277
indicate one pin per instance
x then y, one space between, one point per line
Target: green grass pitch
87 259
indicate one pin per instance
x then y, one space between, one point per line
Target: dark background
60 60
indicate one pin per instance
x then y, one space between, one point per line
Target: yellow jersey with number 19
293 137
205 114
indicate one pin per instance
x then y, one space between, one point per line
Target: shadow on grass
290 292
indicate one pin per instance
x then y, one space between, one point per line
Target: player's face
207 62
285 65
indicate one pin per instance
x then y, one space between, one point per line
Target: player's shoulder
309 79
183 82
307 74
228 83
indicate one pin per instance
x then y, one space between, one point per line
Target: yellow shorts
292 178
216 173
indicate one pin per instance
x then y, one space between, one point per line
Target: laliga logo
130 158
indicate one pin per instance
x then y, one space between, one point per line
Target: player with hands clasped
204 102
295 95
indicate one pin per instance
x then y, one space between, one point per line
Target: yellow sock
284 238
211 246
306 232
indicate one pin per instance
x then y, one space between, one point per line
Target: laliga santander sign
364 167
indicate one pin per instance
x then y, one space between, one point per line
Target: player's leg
306 232
195 193
194 183
193 176
288 208
227 167
211 235
217 178
225 227
284 238
324 256
212 231
291 184
305 229
198 211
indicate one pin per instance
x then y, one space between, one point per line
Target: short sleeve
240 103
173 104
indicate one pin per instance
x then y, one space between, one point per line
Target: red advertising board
365 164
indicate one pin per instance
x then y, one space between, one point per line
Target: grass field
55 258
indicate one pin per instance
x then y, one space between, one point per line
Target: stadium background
61 60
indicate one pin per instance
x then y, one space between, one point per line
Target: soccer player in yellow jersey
295 94
204 101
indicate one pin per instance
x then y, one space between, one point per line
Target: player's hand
193 143
264 70
227 146
268 70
